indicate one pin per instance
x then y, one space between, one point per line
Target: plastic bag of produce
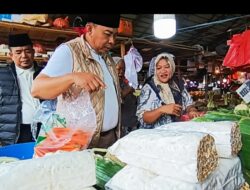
70 128
242 109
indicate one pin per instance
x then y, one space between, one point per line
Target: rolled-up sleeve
187 99
143 103
147 101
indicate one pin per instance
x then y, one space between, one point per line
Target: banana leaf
220 116
246 174
245 126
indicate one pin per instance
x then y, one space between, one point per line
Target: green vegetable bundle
106 168
245 138
242 109
246 174
221 116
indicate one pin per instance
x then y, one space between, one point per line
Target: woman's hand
153 115
171 109
192 114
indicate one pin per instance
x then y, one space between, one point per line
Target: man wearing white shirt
18 106
85 62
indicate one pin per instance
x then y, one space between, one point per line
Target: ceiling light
164 25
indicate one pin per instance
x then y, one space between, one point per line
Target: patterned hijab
165 91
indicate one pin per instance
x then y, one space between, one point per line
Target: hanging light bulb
164 25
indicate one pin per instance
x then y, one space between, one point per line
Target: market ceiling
206 30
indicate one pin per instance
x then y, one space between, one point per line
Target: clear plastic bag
43 115
70 128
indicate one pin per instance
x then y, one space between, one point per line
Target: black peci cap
108 20
17 40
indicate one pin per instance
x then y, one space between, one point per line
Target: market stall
209 152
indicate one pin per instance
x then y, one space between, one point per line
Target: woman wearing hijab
164 98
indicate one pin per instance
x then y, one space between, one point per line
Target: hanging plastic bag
134 62
70 128
239 51
246 39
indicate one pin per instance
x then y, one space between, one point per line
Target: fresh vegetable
202 119
223 110
244 124
210 104
4 159
246 174
65 139
219 116
241 109
61 23
105 170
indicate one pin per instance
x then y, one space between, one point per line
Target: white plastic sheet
62 171
228 176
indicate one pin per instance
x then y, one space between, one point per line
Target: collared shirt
29 104
111 102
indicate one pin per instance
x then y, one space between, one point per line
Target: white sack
166 153
63 171
228 176
227 141
130 178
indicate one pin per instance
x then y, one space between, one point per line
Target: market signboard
244 91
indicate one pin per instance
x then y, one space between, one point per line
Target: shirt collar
21 71
93 52
90 52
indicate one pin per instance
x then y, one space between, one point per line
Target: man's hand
127 90
88 81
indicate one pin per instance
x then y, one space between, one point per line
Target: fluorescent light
164 25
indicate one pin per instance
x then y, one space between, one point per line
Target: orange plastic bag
125 27
70 128
79 139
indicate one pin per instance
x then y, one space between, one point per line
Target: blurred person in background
129 101
17 104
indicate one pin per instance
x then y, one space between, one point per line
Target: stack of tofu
181 155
